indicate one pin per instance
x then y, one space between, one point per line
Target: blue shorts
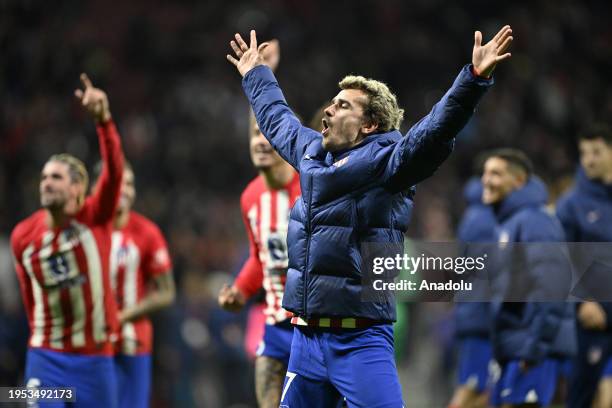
276 342
536 385
133 380
328 364
475 354
93 377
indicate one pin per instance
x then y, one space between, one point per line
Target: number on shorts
291 377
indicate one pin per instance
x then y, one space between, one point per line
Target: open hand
94 100
485 57
248 56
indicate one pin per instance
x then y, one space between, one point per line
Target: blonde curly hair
381 107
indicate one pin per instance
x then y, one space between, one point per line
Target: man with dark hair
357 178
62 254
597 131
586 215
525 277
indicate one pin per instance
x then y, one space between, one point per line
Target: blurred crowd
183 121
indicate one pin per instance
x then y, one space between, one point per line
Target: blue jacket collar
532 194
341 154
592 187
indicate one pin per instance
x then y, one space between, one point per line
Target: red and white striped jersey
64 272
138 254
266 217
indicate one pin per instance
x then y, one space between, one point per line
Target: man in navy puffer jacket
529 279
586 215
472 318
357 178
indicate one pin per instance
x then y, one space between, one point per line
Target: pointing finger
86 81
253 40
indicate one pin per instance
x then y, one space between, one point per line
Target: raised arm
101 205
429 142
276 120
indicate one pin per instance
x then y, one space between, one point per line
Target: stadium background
183 121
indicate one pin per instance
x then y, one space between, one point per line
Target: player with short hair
357 178
62 254
141 279
529 280
586 215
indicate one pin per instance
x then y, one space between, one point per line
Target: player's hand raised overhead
94 100
250 56
485 57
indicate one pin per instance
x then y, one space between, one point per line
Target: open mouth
325 129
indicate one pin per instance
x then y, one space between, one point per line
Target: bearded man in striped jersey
62 254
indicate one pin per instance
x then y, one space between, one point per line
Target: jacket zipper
308 235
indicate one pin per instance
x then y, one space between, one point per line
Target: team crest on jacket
504 238
341 162
594 355
593 216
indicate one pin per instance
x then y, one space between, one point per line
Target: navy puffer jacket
477 231
351 197
529 330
